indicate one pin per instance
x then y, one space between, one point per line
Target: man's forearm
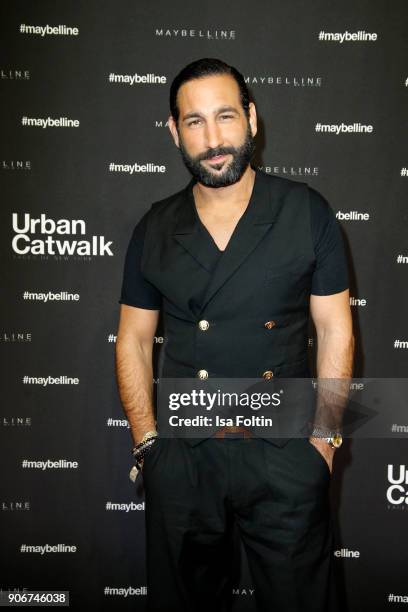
134 374
335 354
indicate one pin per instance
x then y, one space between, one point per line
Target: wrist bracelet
140 455
140 452
142 444
146 438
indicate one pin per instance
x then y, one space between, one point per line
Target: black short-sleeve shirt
136 289
330 274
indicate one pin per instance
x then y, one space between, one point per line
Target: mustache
216 153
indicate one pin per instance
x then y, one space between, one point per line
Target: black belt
233 432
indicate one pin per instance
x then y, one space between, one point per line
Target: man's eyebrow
221 109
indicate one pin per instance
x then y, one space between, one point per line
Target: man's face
213 124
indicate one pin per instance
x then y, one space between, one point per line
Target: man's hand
324 449
141 461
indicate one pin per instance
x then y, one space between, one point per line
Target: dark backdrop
76 172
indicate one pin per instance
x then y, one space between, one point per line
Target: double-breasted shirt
242 312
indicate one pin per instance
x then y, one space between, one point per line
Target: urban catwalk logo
25 227
397 492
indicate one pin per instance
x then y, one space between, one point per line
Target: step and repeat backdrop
85 150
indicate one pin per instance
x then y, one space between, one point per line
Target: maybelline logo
15 337
11 506
352 215
353 301
16 421
25 227
397 492
11 164
244 592
292 81
346 553
291 170
137 79
193 33
14 75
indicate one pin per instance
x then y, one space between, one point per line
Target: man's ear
253 118
173 130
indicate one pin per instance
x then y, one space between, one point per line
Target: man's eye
196 121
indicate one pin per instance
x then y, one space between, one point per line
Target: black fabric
201 501
330 275
136 290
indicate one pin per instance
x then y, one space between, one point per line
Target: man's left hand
324 449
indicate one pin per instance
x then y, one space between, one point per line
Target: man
236 261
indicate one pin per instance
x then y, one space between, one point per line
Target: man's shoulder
169 202
283 185
300 189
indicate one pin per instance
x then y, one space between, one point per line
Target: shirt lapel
257 219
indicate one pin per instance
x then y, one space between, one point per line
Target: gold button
202 374
267 374
203 325
270 324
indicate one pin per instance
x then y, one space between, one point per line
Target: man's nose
214 136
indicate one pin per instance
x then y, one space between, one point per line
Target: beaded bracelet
140 453
142 445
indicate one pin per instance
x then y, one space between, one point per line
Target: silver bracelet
145 443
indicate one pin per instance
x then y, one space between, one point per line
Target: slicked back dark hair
207 66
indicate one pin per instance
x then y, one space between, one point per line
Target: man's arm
332 318
134 367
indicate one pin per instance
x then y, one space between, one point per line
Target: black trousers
276 499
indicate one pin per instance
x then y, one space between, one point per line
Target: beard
232 170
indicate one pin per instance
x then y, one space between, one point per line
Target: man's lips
217 159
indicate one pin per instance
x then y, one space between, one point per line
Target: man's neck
224 200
